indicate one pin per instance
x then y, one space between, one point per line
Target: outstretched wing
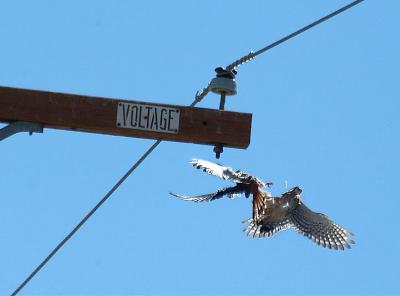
319 228
220 171
230 192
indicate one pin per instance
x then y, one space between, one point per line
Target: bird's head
293 193
295 190
292 197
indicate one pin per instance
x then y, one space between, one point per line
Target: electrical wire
88 215
252 55
199 96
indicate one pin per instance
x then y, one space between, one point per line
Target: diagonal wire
253 54
199 96
88 215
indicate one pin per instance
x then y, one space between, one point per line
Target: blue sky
325 117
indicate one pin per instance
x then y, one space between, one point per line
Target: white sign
148 117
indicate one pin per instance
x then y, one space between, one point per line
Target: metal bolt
218 149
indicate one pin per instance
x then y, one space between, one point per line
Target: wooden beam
125 118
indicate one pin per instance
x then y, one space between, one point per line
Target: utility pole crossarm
125 118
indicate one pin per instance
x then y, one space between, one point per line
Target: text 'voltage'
148 117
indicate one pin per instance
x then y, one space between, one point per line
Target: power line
252 55
199 96
88 215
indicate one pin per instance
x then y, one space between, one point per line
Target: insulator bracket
224 82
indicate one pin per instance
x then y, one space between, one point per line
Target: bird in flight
273 214
288 211
245 184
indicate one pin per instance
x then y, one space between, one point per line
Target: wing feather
260 200
226 173
319 228
230 192
262 229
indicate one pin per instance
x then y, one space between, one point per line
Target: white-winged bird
288 211
245 184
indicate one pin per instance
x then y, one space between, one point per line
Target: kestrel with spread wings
288 211
273 214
